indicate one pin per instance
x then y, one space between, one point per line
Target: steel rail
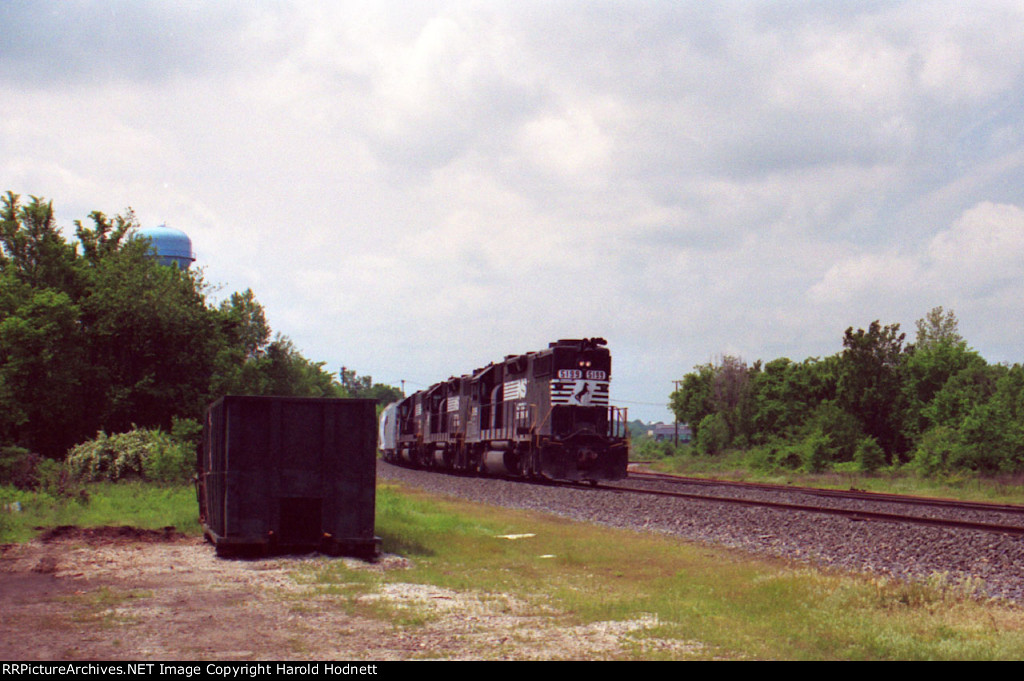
841 494
846 512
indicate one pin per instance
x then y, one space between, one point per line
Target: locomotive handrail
551 408
618 421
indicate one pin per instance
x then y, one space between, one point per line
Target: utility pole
676 383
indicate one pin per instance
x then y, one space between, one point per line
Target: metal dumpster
289 473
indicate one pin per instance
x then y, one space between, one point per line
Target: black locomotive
542 414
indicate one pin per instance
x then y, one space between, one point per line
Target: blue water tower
171 246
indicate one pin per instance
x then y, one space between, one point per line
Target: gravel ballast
892 549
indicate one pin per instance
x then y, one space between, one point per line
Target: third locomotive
542 414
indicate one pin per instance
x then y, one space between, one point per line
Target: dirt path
120 593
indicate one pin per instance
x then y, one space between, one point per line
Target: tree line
934 404
98 336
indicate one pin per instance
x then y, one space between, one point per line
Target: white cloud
414 189
981 251
570 146
973 266
985 244
866 277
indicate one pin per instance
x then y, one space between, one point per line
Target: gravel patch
114 594
993 562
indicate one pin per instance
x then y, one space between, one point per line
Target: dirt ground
124 593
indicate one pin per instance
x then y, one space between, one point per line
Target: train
540 414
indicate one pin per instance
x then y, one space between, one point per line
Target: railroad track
854 504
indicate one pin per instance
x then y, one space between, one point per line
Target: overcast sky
415 189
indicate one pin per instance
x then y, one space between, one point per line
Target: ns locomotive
541 414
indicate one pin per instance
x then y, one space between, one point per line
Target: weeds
142 505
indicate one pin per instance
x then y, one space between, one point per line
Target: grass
738 606
99 607
967 486
696 601
145 505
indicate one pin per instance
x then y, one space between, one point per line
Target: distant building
171 246
661 431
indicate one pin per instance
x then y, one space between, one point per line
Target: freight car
541 414
285 473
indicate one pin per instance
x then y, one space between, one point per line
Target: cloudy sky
414 189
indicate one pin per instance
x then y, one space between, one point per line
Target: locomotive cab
585 436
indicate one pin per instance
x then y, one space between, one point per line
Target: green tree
787 393
972 423
842 430
282 370
938 326
246 335
354 386
973 385
718 399
41 343
41 355
692 401
246 323
936 402
105 237
109 338
774 399
871 381
991 436
939 354
152 340
869 455
32 247
363 386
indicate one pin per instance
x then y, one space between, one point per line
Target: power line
649 404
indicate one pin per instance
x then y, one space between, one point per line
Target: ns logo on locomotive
542 414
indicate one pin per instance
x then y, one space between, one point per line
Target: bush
137 454
187 432
869 455
19 467
761 458
57 481
648 448
645 448
29 472
713 434
936 451
108 457
816 451
774 456
841 428
169 461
